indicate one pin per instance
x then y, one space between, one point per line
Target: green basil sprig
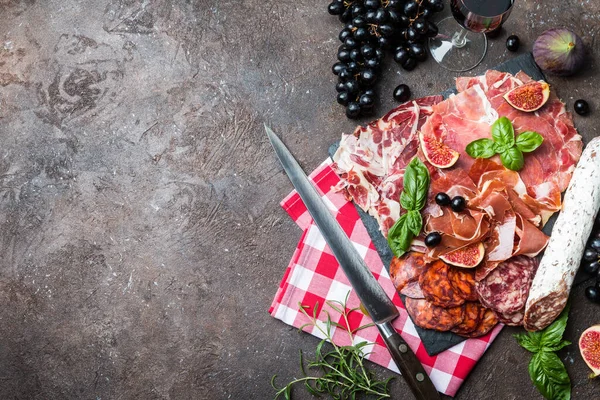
503 143
546 370
412 199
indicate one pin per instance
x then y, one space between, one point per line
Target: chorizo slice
405 272
487 323
463 282
436 286
427 315
473 316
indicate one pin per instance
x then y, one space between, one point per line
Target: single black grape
386 30
352 66
344 34
420 26
353 110
336 8
355 55
394 18
593 294
346 15
338 67
590 254
370 92
402 93
412 34
357 10
582 107
426 12
381 15
401 55
344 75
436 5
366 101
395 4
442 199
372 63
340 87
361 34
411 9
367 51
591 268
595 244
343 98
352 86
371 4
343 55
512 43
410 64
370 17
418 51
379 53
383 42
433 239
350 43
359 21
432 29
458 203
404 21
367 77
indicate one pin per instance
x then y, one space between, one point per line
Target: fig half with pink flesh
589 347
529 97
437 153
466 257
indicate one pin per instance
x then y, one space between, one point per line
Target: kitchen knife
372 296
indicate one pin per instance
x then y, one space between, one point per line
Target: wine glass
462 46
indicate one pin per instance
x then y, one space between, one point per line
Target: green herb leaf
552 335
557 347
530 341
501 148
481 148
549 376
512 159
503 132
400 236
529 141
416 185
414 222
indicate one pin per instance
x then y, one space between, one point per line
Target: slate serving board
434 341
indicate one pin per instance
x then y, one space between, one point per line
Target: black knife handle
409 365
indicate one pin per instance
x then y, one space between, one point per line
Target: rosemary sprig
343 374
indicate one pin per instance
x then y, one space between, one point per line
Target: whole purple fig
559 51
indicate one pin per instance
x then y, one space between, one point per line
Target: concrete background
141 240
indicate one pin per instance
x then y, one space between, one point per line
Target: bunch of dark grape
591 262
372 28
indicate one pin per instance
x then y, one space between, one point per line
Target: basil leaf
503 132
416 186
400 236
481 148
414 222
549 376
529 141
512 159
556 347
530 341
501 148
552 335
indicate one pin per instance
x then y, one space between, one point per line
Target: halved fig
529 97
437 153
589 347
466 257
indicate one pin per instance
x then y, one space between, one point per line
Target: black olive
593 294
591 268
512 43
433 239
581 107
458 203
402 93
442 199
590 254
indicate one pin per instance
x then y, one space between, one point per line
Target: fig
437 153
589 347
559 51
529 97
466 257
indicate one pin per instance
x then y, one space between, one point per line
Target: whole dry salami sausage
463 282
405 272
473 315
436 286
506 288
429 316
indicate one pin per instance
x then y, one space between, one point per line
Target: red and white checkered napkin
314 275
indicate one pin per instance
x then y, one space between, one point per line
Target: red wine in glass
481 15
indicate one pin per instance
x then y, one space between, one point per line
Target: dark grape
411 9
361 34
395 4
458 203
401 55
372 63
371 4
355 55
336 8
394 18
590 254
442 199
340 87
593 294
591 268
426 12
412 34
595 244
381 15
367 51
353 110
421 26
436 5
367 77
343 55
404 21
402 93
366 101
432 29
343 98
345 16
352 86
357 10
350 43
370 17
582 108
418 51
383 42
379 53
512 43
359 21
410 64
344 74
344 34
433 239
370 92
352 66
338 67
386 30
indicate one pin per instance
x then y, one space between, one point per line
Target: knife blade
372 296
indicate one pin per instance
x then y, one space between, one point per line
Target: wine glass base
444 50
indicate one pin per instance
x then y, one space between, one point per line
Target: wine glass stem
459 39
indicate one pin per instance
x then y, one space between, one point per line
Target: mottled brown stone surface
141 240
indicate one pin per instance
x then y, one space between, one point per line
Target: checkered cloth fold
313 276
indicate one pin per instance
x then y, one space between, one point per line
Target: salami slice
512 319
554 279
488 322
405 272
436 286
506 288
429 316
473 316
463 282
